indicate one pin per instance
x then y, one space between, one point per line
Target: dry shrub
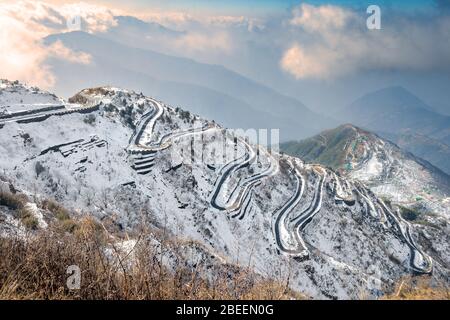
64 221
13 201
17 202
419 288
35 268
56 209
27 218
78 98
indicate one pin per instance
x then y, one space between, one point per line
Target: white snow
34 210
87 175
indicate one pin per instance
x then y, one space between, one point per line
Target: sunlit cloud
93 18
321 18
58 50
312 42
24 24
21 54
303 64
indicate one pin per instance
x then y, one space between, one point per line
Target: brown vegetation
17 202
35 268
421 288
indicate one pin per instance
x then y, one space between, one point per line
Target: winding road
420 262
287 224
231 167
46 112
303 219
283 237
238 202
242 190
143 150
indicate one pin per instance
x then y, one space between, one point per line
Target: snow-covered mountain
396 114
131 159
15 97
381 165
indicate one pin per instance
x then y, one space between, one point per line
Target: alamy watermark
373 22
74 280
218 147
73 23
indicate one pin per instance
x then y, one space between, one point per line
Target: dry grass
12 201
56 209
35 268
17 202
419 289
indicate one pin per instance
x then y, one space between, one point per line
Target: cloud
320 18
198 42
250 24
197 36
23 25
21 55
58 50
333 41
180 20
312 42
303 64
169 19
93 18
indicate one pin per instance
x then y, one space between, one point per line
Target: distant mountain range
390 172
398 115
209 90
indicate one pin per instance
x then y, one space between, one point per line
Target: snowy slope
15 97
395 113
122 156
386 169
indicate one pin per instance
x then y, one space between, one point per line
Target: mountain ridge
394 113
119 156
379 163
215 77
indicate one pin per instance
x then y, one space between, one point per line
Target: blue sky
256 7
